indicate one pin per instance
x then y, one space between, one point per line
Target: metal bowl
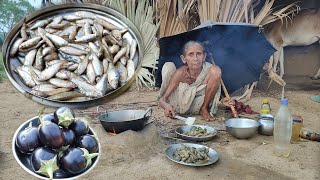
10 63
183 129
24 159
172 148
267 125
242 128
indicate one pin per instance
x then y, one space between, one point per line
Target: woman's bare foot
206 115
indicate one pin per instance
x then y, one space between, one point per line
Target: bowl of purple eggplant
56 146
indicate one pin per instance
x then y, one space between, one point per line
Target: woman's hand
169 111
228 102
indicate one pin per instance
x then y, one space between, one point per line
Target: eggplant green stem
65 118
88 156
48 167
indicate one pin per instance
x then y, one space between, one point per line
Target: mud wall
302 60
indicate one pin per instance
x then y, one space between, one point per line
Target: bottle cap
265 101
284 101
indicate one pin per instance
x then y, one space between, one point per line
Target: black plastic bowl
24 159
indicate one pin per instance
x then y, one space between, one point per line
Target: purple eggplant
88 142
76 160
44 161
28 140
65 116
51 135
68 136
80 126
48 117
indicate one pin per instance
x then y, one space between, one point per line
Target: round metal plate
24 159
103 12
183 129
172 148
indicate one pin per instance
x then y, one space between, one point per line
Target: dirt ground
141 155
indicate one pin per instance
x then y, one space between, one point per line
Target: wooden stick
234 112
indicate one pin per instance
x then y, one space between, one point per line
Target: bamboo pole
234 112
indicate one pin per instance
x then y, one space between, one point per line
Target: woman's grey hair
191 43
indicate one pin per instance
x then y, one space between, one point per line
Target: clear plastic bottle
282 130
265 107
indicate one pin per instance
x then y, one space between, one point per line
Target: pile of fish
197 131
192 155
74 57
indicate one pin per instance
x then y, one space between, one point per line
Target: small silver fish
26 77
61 83
86 88
41 23
30 57
113 76
86 38
91 73
102 84
82 65
133 48
130 69
57 40
122 72
50 71
29 43
72 51
105 23
15 47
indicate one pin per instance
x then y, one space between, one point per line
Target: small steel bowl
267 124
242 128
24 159
183 129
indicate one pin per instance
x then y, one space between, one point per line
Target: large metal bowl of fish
196 133
75 55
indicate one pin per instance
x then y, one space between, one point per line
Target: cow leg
281 60
317 75
276 57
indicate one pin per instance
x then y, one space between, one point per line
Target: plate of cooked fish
191 154
196 132
72 55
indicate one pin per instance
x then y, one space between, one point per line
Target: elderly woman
193 88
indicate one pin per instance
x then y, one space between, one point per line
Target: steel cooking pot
122 120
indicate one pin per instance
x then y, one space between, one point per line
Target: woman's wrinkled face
194 56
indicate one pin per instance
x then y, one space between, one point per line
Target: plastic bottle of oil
282 130
265 107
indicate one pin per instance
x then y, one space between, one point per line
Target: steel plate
24 159
183 129
172 148
104 12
